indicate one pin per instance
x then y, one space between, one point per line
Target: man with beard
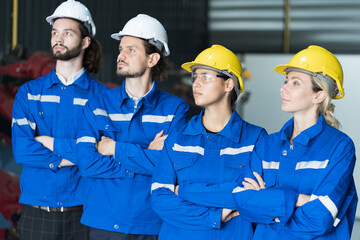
46 116
122 133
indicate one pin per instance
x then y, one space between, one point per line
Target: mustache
59 44
122 61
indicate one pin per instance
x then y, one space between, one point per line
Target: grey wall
264 104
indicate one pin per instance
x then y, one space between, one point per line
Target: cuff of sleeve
215 218
122 152
54 163
59 145
290 202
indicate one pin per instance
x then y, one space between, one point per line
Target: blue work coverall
191 154
320 163
47 107
119 185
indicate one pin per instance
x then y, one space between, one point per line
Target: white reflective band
100 112
234 151
270 165
157 119
23 121
238 189
327 202
190 149
312 165
44 98
80 101
121 117
156 185
336 222
114 116
86 139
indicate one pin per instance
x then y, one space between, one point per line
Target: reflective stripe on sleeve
86 139
156 185
23 121
328 204
238 189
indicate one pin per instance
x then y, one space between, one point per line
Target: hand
158 142
66 163
250 183
228 214
176 190
106 146
302 199
46 141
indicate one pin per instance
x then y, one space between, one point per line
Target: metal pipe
14 24
286 26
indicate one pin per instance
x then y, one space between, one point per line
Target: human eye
53 33
296 83
207 77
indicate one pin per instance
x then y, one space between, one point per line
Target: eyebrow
65 29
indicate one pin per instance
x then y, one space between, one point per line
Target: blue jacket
192 155
320 163
47 107
119 194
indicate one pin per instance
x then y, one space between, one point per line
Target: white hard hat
148 28
75 10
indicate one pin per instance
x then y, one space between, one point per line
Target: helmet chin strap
333 90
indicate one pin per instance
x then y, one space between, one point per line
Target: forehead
204 70
299 75
66 23
129 41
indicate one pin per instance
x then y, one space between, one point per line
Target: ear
320 97
229 85
153 59
86 42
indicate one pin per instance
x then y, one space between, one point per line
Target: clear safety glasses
206 77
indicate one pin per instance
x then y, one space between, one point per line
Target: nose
121 56
284 89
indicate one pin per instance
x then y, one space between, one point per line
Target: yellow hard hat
316 59
219 59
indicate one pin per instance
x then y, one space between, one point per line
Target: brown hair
159 70
93 54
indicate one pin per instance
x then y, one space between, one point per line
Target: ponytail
326 108
93 54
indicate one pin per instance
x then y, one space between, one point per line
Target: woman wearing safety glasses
212 148
299 184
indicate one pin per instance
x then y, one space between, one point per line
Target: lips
196 93
58 47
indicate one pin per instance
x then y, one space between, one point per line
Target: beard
131 74
69 54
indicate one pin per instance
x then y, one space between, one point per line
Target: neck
139 86
68 68
303 122
216 118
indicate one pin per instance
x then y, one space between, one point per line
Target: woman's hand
250 183
302 199
228 214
